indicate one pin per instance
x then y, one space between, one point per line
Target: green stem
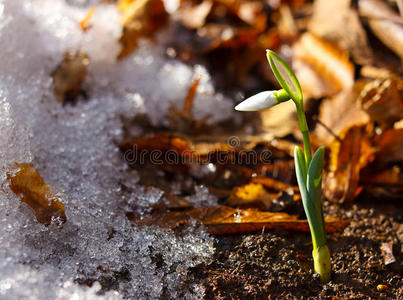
305 133
320 252
321 260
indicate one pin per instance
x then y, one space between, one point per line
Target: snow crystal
74 147
202 197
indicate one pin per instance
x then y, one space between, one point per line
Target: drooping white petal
259 101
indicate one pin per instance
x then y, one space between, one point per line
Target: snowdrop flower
308 169
262 100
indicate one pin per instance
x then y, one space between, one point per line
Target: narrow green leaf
285 76
314 219
314 184
299 155
314 174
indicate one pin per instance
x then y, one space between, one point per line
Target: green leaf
285 76
299 171
314 182
299 155
314 174
314 218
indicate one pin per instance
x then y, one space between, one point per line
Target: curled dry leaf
227 220
382 101
385 23
349 154
39 196
337 22
322 67
69 76
140 18
337 113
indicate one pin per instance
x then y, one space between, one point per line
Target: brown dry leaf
336 21
349 154
187 151
191 152
69 76
38 195
231 25
140 18
382 101
387 178
385 23
274 184
384 176
376 9
227 220
338 113
84 23
194 17
252 194
322 67
218 165
390 144
233 35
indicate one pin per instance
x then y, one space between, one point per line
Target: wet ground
278 264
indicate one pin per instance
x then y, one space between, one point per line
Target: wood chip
387 252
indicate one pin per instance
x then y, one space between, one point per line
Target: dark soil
278 264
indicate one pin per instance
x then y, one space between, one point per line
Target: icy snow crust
74 149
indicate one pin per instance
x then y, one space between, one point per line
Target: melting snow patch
74 149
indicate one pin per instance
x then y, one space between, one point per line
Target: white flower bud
259 101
